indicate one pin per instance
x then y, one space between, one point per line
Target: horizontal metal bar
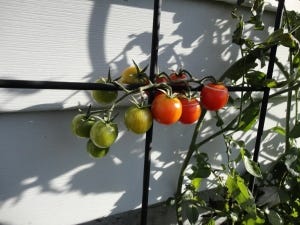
28 84
31 84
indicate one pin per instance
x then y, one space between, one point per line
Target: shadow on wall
201 42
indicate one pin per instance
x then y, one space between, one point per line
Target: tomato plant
232 200
166 109
94 151
82 124
138 119
103 134
191 110
214 96
104 96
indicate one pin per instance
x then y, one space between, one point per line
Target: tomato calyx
133 75
162 78
141 73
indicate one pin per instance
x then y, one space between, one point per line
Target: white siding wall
45 174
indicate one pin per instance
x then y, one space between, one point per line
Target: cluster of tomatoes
167 107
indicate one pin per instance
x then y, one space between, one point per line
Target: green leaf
237 34
253 221
278 130
192 213
270 196
257 12
274 217
243 65
271 83
252 167
273 38
292 161
255 78
238 190
295 132
279 37
296 60
196 183
211 222
203 168
288 40
249 117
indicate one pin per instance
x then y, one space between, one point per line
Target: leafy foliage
275 198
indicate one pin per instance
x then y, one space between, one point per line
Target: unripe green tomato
138 120
81 125
104 96
104 134
95 151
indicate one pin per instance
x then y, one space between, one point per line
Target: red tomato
161 79
214 96
178 76
166 110
191 110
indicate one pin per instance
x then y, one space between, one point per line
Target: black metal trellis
265 100
27 84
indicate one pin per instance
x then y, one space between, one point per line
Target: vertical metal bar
149 134
264 104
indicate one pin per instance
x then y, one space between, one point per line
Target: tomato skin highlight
214 96
191 110
103 135
166 110
138 120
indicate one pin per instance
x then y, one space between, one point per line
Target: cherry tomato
104 96
178 76
161 78
178 79
131 75
138 120
81 125
103 134
191 110
214 96
165 109
95 151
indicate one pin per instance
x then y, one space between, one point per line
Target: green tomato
95 151
81 125
104 134
138 120
104 96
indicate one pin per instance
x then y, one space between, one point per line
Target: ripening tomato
104 134
178 76
161 78
104 96
81 125
165 109
138 120
214 96
132 75
95 151
191 110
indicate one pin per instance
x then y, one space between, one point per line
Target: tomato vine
274 198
